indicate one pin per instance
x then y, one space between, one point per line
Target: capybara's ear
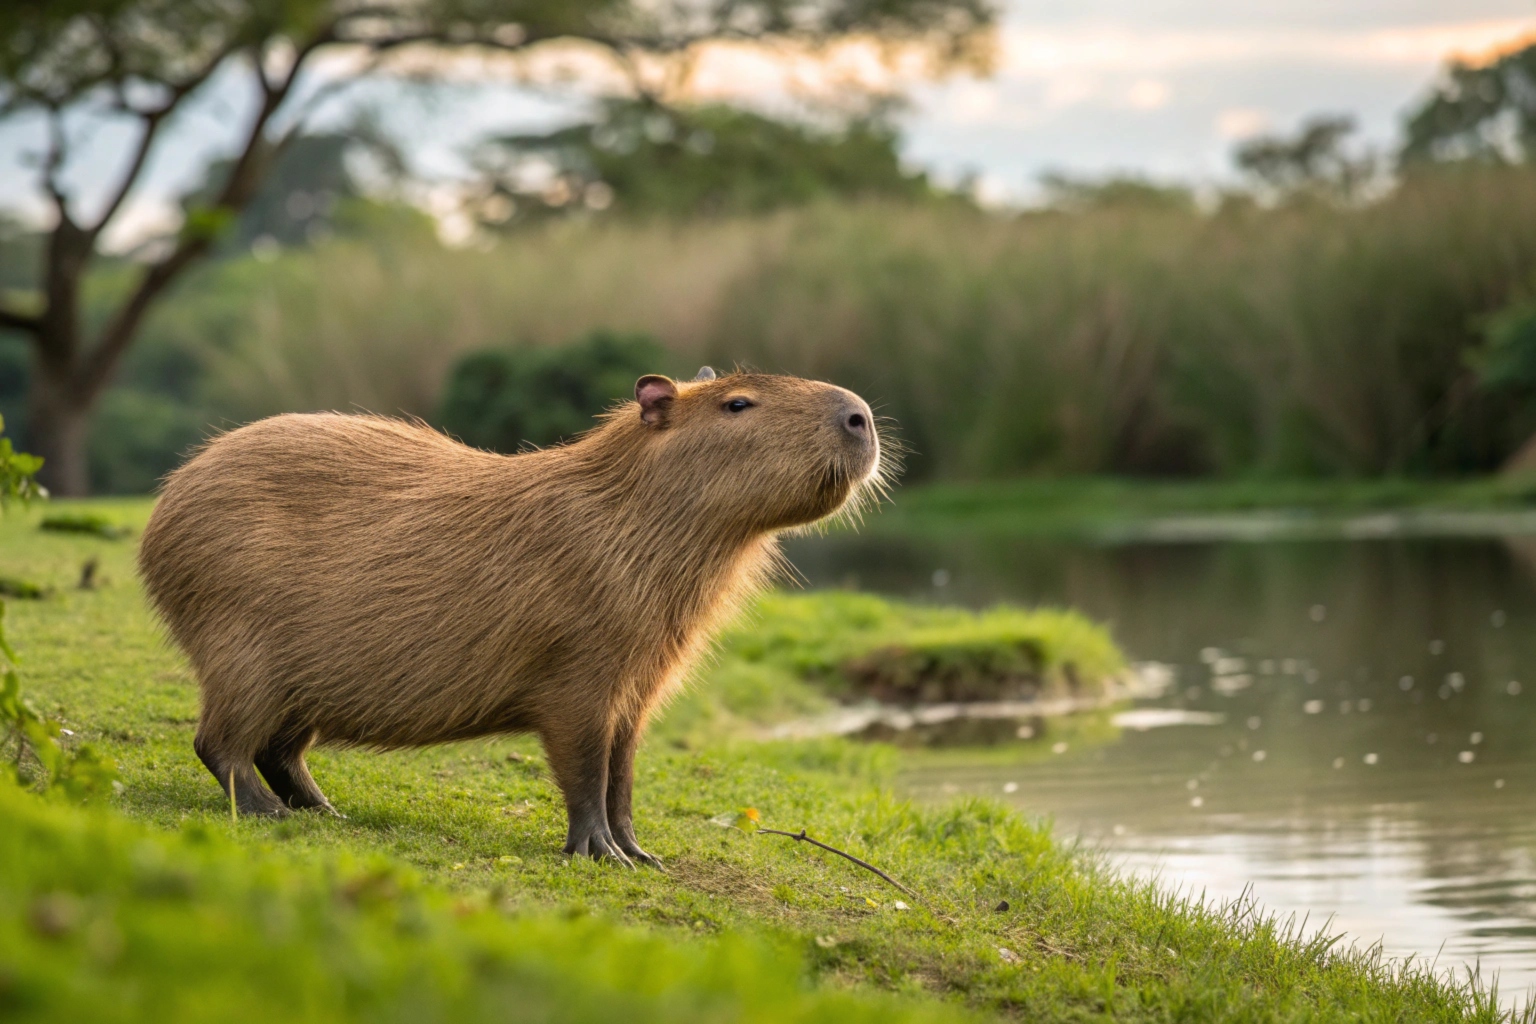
655 394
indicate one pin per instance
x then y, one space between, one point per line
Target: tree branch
152 123
53 161
154 118
238 191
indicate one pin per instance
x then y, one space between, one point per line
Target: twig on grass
801 837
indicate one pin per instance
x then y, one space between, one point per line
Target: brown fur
361 580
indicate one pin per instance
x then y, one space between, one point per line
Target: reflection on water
1355 726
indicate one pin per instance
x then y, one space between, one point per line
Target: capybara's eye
737 405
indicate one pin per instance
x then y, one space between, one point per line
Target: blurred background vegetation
1346 313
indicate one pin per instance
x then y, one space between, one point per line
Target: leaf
747 819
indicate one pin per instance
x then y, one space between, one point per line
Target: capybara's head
757 451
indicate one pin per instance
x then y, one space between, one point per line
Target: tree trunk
58 421
1523 461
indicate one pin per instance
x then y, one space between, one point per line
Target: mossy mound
857 646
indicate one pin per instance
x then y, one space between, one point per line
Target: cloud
1032 52
1148 94
1236 123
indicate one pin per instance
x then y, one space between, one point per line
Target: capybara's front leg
251 797
621 785
579 759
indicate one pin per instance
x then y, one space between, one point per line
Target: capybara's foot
595 842
641 857
251 797
626 842
262 811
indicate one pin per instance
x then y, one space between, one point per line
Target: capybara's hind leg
579 758
281 763
621 786
251 797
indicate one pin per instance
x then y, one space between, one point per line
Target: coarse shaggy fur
362 580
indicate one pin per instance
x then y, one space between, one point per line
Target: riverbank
1116 509
444 889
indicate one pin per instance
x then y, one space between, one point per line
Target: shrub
504 399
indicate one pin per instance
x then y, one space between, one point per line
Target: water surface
1373 702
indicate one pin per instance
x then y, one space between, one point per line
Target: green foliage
138 436
1509 358
84 522
640 158
10 586
1480 111
57 53
503 400
17 472
81 773
207 223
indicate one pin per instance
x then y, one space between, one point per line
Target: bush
138 437
503 400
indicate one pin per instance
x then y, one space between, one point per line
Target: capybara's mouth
837 484
833 485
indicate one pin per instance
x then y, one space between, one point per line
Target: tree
142 60
504 399
305 188
644 157
1477 112
1314 163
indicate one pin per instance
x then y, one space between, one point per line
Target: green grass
83 522
442 894
829 637
1109 506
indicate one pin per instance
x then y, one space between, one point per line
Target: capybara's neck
645 535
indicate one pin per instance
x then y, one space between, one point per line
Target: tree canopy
1315 162
1478 111
142 60
640 157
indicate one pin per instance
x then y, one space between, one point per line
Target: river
1366 711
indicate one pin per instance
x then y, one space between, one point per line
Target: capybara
343 579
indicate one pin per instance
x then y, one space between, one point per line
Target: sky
1158 88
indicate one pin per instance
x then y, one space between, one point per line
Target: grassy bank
442 894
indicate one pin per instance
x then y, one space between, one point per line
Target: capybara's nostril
857 424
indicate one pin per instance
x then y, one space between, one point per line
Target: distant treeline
1309 338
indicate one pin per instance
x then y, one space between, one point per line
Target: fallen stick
801 837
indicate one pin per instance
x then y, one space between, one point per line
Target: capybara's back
362 580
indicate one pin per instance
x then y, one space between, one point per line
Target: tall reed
1300 340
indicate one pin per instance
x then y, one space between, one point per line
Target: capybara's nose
856 418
